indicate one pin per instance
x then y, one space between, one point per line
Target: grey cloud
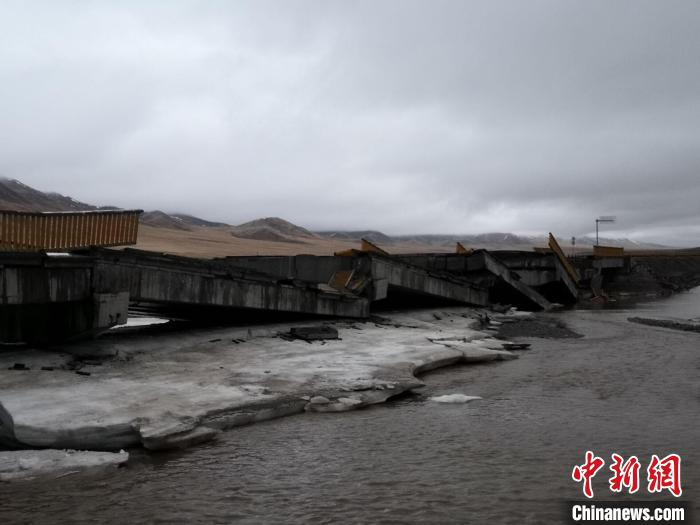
406 116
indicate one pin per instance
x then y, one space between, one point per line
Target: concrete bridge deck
480 267
52 297
543 272
374 275
46 298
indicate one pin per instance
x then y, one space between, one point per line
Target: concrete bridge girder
96 289
162 286
85 295
481 267
215 283
537 277
514 280
401 275
542 271
383 271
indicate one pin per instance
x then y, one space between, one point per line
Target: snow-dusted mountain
14 195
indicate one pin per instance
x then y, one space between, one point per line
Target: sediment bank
545 326
667 323
176 390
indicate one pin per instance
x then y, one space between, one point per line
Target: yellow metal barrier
608 251
368 246
50 231
461 249
554 246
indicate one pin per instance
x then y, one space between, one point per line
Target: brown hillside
17 196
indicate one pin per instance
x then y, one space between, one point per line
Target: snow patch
453 398
25 464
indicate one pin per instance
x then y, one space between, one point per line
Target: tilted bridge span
59 280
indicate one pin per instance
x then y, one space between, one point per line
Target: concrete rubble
175 390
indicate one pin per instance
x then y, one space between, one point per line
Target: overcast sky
403 116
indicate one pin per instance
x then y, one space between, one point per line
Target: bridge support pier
48 322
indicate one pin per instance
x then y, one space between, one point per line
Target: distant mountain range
521 242
273 229
493 241
160 219
15 195
371 235
482 240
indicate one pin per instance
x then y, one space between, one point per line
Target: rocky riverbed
179 389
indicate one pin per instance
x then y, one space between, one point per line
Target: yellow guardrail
463 250
51 231
554 246
368 246
608 251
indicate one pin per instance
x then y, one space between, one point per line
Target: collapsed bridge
58 281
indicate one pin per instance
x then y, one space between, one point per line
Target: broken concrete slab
482 268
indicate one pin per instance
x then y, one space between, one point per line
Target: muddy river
624 388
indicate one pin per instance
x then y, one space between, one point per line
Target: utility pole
603 218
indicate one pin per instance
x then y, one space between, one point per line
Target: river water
624 387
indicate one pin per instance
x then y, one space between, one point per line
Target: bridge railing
56 231
554 246
608 251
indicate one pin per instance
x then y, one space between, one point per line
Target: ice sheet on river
23 464
453 398
174 390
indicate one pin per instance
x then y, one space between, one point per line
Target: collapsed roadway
58 281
